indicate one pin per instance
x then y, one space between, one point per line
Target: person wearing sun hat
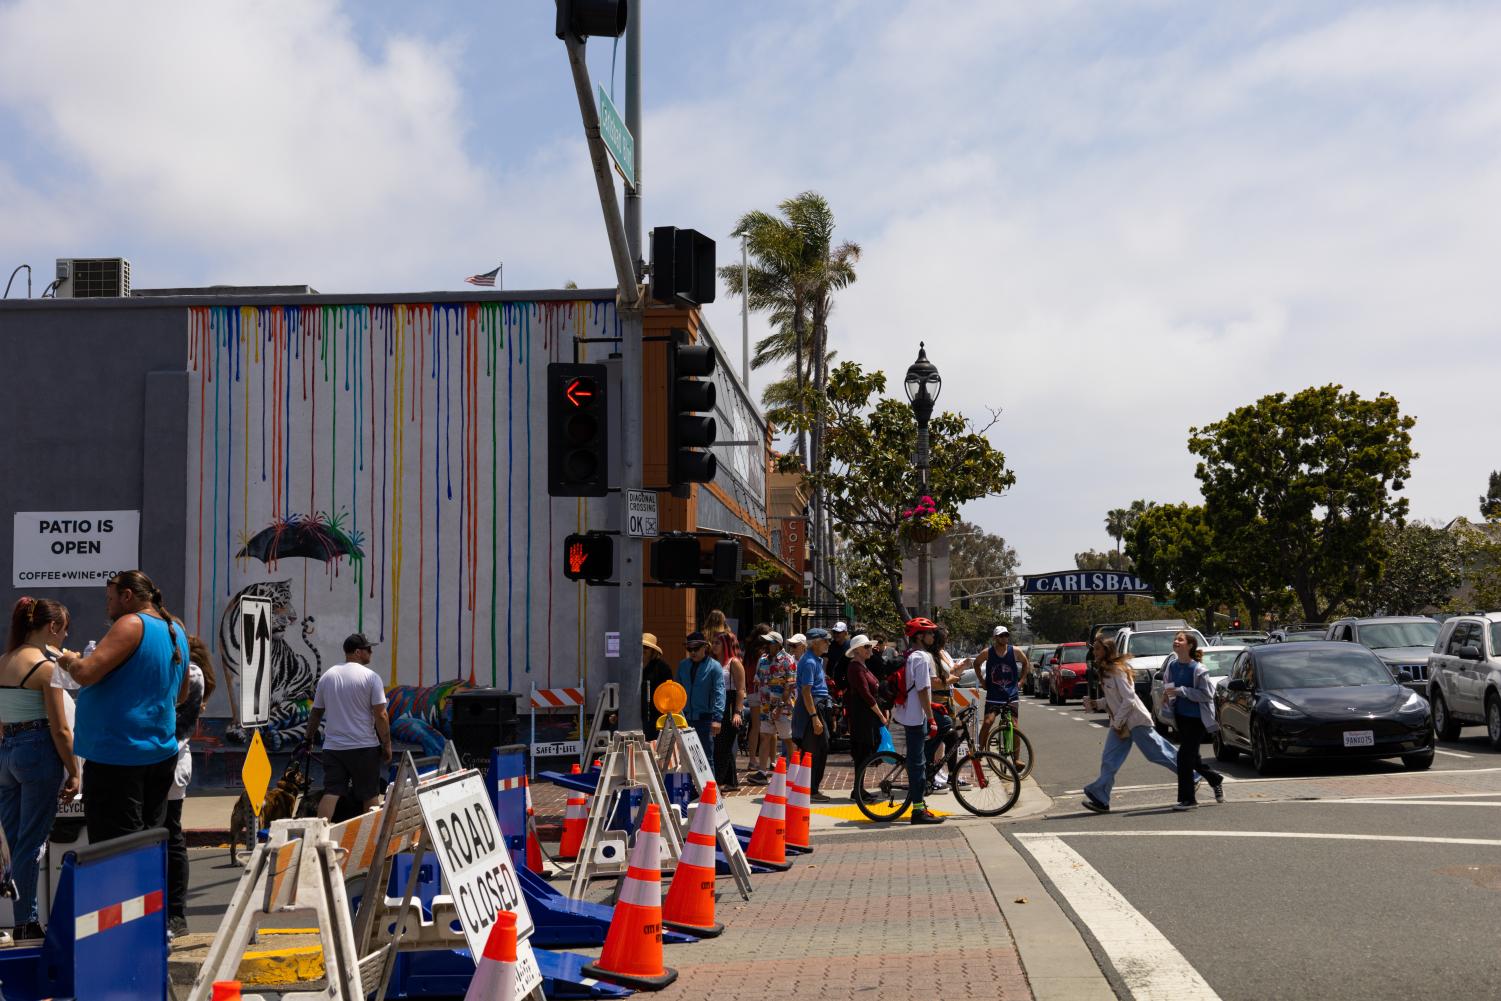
862 702
654 671
703 677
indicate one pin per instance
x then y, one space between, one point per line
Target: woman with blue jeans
1130 723
36 746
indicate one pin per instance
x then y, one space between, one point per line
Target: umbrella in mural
318 537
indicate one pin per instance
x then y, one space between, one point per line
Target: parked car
1464 676
1039 656
1239 637
1147 644
1403 642
1319 700
1217 661
1298 632
1065 677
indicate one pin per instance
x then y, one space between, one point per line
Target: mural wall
382 469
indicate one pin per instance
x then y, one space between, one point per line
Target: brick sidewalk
891 913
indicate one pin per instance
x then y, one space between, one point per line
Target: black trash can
483 719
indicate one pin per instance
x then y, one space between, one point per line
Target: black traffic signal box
578 431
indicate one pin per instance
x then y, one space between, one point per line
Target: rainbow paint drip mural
382 469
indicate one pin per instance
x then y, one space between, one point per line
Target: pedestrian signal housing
682 267
582 18
578 431
691 427
589 556
675 558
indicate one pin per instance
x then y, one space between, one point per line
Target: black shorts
356 770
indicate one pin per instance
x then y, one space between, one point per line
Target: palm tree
796 270
1118 522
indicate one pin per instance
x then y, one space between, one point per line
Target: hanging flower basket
923 522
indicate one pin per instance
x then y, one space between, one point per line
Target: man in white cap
1005 667
835 660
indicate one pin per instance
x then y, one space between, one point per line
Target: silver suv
1401 641
1464 676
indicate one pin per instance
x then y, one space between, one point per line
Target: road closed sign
74 548
476 864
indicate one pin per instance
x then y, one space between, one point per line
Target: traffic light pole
625 244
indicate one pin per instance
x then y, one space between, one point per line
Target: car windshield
1383 635
1217 664
1154 644
1302 637
1319 667
1073 655
1496 636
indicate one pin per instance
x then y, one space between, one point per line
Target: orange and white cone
575 819
533 844
768 844
798 812
575 769
690 899
495 976
632 955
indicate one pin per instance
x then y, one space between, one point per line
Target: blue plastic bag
886 743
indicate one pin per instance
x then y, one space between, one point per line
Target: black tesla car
1319 700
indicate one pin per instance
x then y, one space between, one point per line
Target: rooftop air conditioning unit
92 277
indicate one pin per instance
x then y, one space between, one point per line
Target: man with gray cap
810 713
357 742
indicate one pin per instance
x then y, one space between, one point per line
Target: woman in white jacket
1130 723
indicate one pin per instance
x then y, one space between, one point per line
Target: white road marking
1295 835
1452 754
1304 778
1393 802
1147 962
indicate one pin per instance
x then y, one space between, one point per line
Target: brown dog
280 804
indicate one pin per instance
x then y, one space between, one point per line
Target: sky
1111 221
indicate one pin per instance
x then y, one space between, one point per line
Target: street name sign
641 514
254 620
618 139
1084 582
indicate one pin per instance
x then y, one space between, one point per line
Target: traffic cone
575 769
633 946
690 900
797 800
226 990
533 845
768 844
575 819
495 977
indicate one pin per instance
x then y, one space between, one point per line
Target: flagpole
500 277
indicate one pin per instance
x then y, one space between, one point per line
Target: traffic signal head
1234 623
582 18
725 569
675 558
590 556
691 427
682 267
578 431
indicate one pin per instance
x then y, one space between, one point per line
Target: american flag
488 278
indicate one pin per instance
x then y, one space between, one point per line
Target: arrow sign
255 661
580 392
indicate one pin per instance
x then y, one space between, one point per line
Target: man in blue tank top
1004 670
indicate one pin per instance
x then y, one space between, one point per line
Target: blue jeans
31 774
917 762
705 730
1152 744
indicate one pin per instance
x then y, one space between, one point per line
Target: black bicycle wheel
1021 749
881 790
986 784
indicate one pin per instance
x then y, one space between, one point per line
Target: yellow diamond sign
257 773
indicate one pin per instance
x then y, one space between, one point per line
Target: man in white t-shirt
914 711
357 741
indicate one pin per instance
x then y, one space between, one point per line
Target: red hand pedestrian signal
577 557
588 557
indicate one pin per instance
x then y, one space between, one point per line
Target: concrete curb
1048 942
297 958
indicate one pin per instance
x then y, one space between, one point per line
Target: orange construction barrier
768 844
797 799
632 955
575 819
533 844
690 899
495 977
226 990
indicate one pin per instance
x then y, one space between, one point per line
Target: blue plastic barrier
107 932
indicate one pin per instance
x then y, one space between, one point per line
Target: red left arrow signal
580 391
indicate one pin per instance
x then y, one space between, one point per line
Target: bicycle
985 783
1008 740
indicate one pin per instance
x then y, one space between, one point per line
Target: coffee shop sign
1084 582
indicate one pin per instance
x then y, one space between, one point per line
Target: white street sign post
254 618
477 871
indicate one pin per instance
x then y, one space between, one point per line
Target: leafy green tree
1480 566
1091 559
1296 489
871 479
1117 524
1490 504
983 565
1422 569
1054 620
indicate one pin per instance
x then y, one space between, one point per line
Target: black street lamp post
923 384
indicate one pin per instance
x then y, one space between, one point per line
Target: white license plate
1360 738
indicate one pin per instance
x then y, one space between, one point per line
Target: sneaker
1219 791
938 786
176 926
820 797
924 817
1094 806
731 788
757 778
5 938
961 783
1180 807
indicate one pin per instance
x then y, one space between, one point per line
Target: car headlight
1414 705
1280 708
1068 674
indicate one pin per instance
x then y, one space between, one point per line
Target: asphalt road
1329 881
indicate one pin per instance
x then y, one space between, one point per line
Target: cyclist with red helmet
914 711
